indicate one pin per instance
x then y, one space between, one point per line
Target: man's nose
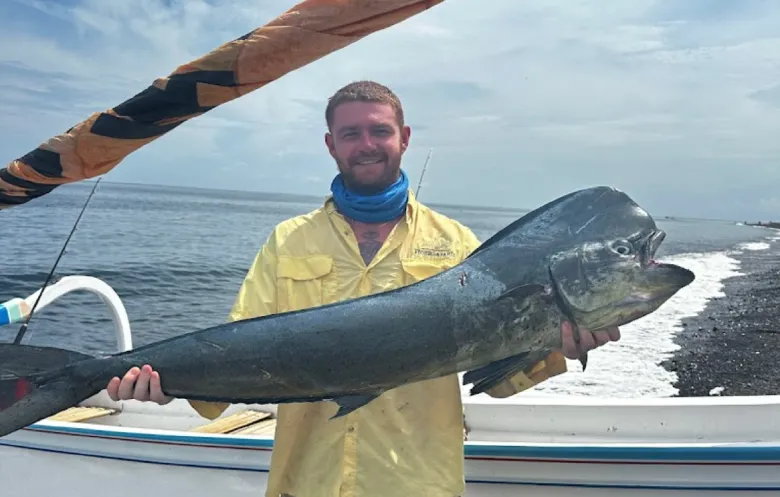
367 141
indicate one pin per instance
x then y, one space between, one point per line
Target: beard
362 184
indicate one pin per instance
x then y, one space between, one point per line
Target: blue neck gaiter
388 204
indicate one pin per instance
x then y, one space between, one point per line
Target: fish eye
622 247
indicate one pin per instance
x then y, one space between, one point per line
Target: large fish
587 256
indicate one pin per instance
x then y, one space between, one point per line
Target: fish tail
37 382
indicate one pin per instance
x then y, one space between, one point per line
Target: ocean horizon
288 196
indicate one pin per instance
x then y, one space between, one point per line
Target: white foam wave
753 246
774 233
631 367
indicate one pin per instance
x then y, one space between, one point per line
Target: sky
676 103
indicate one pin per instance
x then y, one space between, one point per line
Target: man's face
367 144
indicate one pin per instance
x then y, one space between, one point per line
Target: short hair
364 91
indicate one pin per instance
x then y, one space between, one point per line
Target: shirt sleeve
553 365
256 297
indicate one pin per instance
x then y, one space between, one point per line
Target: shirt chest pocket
303 282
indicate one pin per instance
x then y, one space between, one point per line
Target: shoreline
769 224
733 345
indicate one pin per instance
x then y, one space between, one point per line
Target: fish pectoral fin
583 358
487 377
349 403
584 361
522 291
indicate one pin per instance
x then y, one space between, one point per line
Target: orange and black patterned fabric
306 32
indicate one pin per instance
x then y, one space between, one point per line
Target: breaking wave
753 246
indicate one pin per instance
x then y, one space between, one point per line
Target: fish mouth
674 277
679 276
652 245
668 280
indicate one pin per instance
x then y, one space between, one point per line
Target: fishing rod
425 166
23 328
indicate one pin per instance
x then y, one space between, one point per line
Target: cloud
770 95
675 102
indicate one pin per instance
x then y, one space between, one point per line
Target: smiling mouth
368 162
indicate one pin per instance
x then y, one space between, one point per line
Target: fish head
607 274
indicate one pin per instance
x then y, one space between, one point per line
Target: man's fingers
587 341
113 388
140 384
569 346
601 337
155 390
127 384
141 391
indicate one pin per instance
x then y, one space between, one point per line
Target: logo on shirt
434 248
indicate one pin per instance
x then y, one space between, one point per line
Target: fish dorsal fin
525 219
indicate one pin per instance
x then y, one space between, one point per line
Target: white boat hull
572 449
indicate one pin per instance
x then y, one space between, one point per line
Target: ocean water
176 257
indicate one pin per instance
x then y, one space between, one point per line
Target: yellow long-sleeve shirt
407 442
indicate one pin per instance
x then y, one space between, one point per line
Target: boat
522 446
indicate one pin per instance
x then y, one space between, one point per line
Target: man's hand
588 341
138 384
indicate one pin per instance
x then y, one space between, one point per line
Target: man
371 235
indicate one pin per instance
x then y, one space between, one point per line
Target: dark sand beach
735 342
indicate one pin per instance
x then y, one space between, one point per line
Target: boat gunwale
477 476
610 452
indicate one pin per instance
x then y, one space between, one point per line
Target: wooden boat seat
247 422
230 424
264 427
78 414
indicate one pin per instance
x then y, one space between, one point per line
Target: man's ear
329 143
406 134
